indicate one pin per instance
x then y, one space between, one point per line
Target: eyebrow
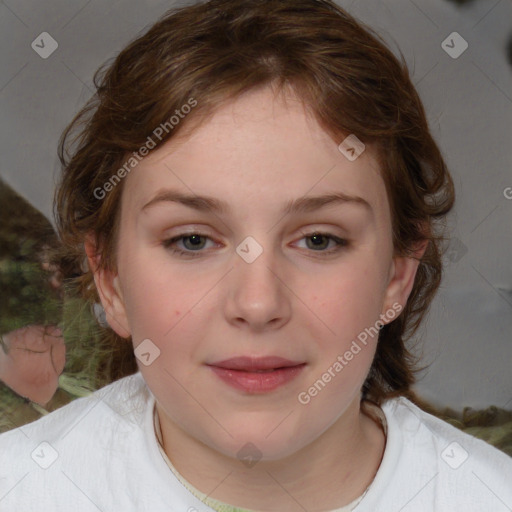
305 204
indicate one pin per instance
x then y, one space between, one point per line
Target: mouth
257 375
256 364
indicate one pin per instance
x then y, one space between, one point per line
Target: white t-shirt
101 453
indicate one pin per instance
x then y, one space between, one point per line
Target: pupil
317 240
194 240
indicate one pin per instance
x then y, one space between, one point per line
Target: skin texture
31 361
258 153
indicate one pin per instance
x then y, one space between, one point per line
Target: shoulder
418 426
96 453
121 402
430 465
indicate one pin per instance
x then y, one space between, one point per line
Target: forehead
258 150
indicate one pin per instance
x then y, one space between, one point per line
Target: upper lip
255 363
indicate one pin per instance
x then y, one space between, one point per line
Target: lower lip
254 382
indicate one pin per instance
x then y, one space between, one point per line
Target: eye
318 242
193 243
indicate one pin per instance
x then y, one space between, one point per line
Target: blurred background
459 54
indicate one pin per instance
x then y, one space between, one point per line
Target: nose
259 295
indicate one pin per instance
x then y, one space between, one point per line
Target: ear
109 291
402 274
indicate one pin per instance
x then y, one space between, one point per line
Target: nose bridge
258 295
255 266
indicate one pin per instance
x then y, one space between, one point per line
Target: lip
256 363
257 374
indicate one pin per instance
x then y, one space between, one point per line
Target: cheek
169 310
351 301
350 309
154 302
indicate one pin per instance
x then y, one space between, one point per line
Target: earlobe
109 291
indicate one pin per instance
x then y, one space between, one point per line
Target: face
289 256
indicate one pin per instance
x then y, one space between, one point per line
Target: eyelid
341 243
173 239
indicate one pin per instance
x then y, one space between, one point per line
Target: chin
256 443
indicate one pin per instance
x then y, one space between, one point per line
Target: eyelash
340 244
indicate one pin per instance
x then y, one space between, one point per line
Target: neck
332 471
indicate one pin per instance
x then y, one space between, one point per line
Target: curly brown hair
215 51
